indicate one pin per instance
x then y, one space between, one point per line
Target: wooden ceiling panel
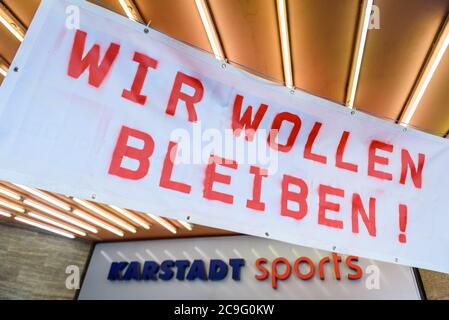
177 18
395 53
112 5
249 33
433 111
156 231
322 37
24 10
8 44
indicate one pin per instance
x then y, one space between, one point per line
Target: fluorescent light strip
131 216
11 23
186 225
56 223
131 10
11 29
4 66
105 215
97 222
427 74
367 7
10 194
5 214
50 199
11 206
209 26
61 216
285 42
167 225
45 227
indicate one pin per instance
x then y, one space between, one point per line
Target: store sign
238 267
124 115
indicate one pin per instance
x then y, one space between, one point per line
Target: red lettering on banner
97 71
167 170
308 154
189 100
255 203
339 163
374 159
416 173
276 125
402 223
213 176
298 197
122 150
324 205
369 220
144 62
245 121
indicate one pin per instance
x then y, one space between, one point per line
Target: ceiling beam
211 30
105 214
131 10
164 223
359 48
285 42
434 57
12 23
44 226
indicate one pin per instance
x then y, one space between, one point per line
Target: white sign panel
255 269
142 121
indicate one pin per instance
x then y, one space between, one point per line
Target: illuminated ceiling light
50 199
11 23
105 215
45 227
3 72
186 225
131 10
11 206
131 216
10 194
209 26
285 42
5 214
56 223
60 216
4 66
362 31
167 225
97 222
429 69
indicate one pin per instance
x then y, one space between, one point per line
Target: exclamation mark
402 223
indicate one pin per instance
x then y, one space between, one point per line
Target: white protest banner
145 122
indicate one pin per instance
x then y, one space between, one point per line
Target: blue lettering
218 270
197 270
133 271
181 266
236 265
150 270
167 272
116 269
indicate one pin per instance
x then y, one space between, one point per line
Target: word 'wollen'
246 121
